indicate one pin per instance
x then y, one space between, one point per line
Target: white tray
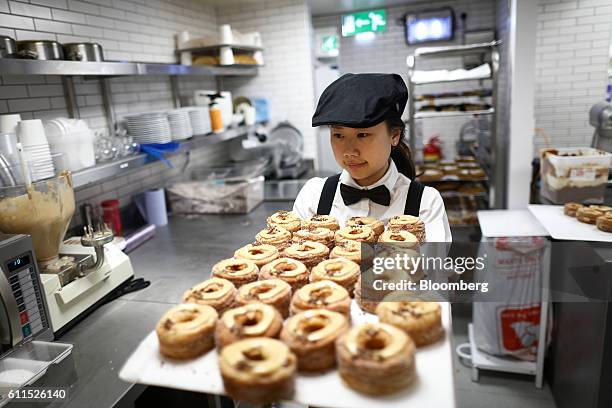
509 223
561 226
433 388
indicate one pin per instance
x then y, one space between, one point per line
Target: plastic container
232 189
574 174
74 139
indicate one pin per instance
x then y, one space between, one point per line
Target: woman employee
364 113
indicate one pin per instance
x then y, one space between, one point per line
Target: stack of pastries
282 304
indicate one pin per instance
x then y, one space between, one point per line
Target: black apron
413 200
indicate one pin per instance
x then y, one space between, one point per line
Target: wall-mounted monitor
430 25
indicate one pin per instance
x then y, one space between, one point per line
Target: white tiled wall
387 52
573 45
286 80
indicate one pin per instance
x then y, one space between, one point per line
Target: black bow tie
352 195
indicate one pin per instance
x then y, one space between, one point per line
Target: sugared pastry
377 226
366 305
261 254
250 320
323 294
311 335
570 209
588 215
186 331
409 223
323 221
355 233
604 223
309 253
290 270
350 250
273 292
215 292
316 234
340 270
602 208
237 271
376 359
258 370
276 236
422 321
407 239
285 219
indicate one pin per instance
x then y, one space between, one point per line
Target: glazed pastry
261 254
215 292
377 226
570 209
588 215
604 223
409 223
603 208
258 370
350 250
311 335
477 173
237 271
366 305
339 270
273 292
285 219
290 270
186 331
323 294
250 320
276 236
323 221
376 359
407 239
356 233
316 234
431 175
309 253
422 321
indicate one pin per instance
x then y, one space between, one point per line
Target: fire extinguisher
432 151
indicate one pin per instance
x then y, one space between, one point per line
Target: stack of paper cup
225 34
8 123
226 56
32 137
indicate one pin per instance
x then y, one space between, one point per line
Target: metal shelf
441 81
247 48
9 66
456 50
115 168
447 114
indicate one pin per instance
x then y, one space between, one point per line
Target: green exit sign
365 22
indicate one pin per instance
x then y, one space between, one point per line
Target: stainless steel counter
180 256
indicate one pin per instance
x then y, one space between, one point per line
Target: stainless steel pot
83 52
40 50
8 47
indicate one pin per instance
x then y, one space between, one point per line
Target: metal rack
495 166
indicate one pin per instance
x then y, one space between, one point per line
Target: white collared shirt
431 212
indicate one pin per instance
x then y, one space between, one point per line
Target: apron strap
413 199
327 195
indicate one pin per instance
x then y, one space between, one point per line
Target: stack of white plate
180 124
200 120
152 127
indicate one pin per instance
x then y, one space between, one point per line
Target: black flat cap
361 100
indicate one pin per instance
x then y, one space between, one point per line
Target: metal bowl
40 50
86 52
8 47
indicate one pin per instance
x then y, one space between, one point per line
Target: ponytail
400 154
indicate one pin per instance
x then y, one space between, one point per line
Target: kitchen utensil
148 128
200 119
8 123
40 50
180 124
84 52
8 47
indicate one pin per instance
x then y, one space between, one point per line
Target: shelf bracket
176 95
70 96
107 100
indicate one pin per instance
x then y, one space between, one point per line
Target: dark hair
400 154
